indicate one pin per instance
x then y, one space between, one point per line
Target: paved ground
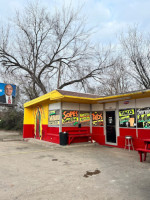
10 135
31 170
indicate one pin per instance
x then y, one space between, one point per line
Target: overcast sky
109 16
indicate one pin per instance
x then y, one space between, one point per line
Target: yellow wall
29 114
45 113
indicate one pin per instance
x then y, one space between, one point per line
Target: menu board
85 118
143 118
70 118
97 118
53 118
127 118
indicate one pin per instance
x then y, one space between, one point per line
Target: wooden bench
76 134
141 151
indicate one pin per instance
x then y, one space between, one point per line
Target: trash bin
63 138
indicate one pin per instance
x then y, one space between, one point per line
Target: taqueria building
107 118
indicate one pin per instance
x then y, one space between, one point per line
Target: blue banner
7 93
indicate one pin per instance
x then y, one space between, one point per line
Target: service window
53 118
97 118
127 118
143 118
84 118
70 118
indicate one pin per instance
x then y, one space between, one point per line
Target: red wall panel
137 141
53 129
44 131
54 138
98 135
52 134
28 131
144 133
127 131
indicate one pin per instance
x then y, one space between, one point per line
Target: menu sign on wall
127 118
85 118
143 118
53 118
70 118
97 118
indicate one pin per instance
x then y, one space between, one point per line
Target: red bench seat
77 135
71 135
141 151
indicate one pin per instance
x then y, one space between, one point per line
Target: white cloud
108 31
110 16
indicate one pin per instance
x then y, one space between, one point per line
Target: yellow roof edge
75 97
51 96
132 94
112 97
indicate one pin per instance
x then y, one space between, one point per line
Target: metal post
60 118
91 118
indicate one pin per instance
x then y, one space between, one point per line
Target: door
110 127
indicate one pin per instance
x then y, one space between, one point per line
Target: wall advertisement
97 118
127 118
84 118
143 118
7 93
53 118
70 118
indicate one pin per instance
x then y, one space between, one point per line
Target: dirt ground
36 170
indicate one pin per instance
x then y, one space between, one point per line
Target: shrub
11 119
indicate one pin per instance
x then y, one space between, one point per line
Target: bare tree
115 80
137 49
48 51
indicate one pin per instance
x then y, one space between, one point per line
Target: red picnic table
146 142
145 150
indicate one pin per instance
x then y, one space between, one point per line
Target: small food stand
104 119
